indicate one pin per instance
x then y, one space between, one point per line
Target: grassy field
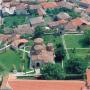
73 41
10 20
10 58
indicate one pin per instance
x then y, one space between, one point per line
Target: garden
11 21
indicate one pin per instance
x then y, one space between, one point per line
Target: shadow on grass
83 43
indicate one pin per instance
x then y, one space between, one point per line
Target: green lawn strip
82 53
73 41
10 58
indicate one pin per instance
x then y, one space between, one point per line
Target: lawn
73 41
10 20
10 58
82 53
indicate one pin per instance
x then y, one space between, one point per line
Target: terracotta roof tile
85 1
47 85
49 5
88 76
19 41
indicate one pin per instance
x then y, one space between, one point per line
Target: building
84 3
48 5
21 9
12 83
63 15
74 24
37 21
40 53
19 42
24 29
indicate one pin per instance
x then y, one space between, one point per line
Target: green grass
10 58
73 41
82 53
10 20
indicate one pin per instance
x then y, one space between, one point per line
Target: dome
38 47
38 41
50 44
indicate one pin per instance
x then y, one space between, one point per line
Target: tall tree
75 66
38 32
52 71
86 40
59 52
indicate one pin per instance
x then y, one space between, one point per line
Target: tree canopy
75 66
38 32
52 72
3 70
59 52
86 40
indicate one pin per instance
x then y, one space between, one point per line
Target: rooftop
49 5
47 85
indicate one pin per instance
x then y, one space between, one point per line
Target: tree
38 32
75 66
2 70
59 52
86 40
52 71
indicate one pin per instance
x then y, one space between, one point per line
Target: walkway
79 48
64 44
30 73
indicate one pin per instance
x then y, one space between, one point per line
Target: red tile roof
88 10
47 85
49 5
19 41
41 11
85 1
41 0
77 22
88 76
56 23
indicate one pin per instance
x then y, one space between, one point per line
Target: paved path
64 44
30 73
24 50
79 48
5 47
74 34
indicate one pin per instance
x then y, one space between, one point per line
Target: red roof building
49 5
11 83
88 77
47 85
